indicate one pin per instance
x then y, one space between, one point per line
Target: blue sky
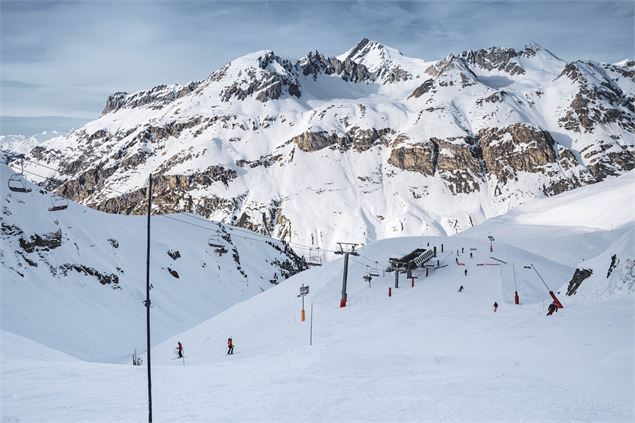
61 59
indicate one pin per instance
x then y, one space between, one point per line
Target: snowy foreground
428 353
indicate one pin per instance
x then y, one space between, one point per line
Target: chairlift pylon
58 203
17 183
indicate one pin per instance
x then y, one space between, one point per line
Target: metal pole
147 302
396 278
311 330
344 296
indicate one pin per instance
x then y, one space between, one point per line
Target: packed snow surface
428 353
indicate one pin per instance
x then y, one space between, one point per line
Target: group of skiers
553 307
230 348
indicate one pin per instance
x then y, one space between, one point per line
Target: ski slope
574 226
74 280
428 353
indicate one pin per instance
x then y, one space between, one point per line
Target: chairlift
314 258
58 203
17 183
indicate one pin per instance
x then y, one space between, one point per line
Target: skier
230 346
461 288
457 260
495 306
470 255
465 272
553 308
462 250
179 350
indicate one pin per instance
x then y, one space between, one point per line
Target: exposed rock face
419 158
387 70
156 98
45 242
103 278
358 139
578 277
316 63
608 159
502 59
454 160
422 89
274 78
515 148
458 164
598 101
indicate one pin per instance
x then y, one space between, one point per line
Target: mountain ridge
434 149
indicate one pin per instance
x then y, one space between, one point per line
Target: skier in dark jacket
461 288
553 308
495 306
230 346
179 349
465 272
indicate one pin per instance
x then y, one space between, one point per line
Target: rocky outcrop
315 63
103 278
455 160
516 148
45 242
266 81
608 158
598 101
458 164
356 138
422 89
155 98
419 158
578 277
501 59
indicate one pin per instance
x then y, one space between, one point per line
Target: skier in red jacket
230 346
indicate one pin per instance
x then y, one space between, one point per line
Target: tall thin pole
147 302
311 330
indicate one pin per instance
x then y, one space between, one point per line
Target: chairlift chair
58 203
314 258
17 183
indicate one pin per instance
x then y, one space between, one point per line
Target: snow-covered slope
363 146
74 280
573 226
428 353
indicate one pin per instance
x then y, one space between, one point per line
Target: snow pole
553 296
311 327
413 282
389 291
516 297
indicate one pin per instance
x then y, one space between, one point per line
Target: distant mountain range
365 145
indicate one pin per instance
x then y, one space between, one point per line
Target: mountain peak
366 48
389 64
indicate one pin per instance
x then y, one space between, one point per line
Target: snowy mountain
366 145
427 352
74 279
20 144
